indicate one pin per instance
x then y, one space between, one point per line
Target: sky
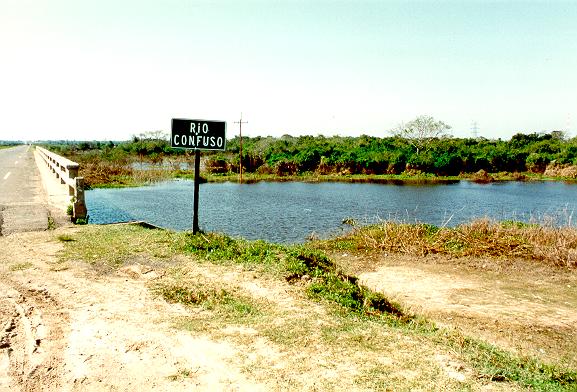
111 69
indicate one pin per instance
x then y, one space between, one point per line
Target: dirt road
74 330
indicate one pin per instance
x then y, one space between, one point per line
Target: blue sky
111 69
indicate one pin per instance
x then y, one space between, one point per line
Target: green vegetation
208 297
81 221
9 143
360 318
51 223
407 156
182 374
498 365
294 263
65 238
114 245
20 266
397 155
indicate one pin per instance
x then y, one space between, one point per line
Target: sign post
196 190
197 135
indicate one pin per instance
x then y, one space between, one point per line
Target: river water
290 211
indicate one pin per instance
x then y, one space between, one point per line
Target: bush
217 165
285 168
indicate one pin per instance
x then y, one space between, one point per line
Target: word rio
195 128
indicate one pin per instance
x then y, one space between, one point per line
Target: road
23 201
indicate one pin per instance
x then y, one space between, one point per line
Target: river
288 212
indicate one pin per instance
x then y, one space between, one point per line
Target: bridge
36 188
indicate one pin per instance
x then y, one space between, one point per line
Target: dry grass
101 172
480 238
151 175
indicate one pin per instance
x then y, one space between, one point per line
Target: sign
198 134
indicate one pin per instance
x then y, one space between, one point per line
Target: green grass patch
495 364
115 244
346 292
222 249
181 374
293 262
20 266
225 302
65 238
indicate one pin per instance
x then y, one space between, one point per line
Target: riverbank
135 178
400 179
133 307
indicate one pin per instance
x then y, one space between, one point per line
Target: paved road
23 201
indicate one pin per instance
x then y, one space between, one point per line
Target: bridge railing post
79 210
72 174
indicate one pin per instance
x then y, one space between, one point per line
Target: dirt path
69 329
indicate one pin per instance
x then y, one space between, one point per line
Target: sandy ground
72 330
524 306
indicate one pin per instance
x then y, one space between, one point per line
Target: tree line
289 155
396 154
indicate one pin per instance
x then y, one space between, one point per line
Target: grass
65 238
20 266
51 223
115 244
422 178
182 374
222 249
343 322
481 238
496 364
226 302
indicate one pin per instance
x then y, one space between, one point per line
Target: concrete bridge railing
67 171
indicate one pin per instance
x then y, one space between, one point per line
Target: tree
421 131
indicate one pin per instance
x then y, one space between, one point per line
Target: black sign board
198 134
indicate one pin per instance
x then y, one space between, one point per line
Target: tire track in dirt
31 338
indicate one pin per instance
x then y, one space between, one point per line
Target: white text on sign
198 134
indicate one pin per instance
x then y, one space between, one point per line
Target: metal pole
196 183
240 133
240 122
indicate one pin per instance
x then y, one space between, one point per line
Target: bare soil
71 328
527 307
